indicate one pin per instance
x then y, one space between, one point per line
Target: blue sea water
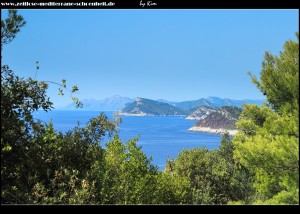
160 137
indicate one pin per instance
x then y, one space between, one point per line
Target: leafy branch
62 87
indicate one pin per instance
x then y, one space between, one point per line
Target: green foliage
226 148
252 118
19 98
279 79
211 177
268 141
207 174
236 203
10 27
129 177
152 107
241 179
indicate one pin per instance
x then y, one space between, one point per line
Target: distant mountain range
114 103
213 102
213 114
118 103
147 107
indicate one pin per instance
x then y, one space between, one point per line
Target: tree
267 143
11 26
241 179
19 98
207 174
226 148
279 77
32 154
130 178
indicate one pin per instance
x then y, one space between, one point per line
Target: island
216 121
147 107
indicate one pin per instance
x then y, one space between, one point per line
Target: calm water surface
160 137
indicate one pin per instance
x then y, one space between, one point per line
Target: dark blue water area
160 137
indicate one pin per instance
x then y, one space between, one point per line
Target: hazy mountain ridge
215 102
117 103
114 103
213 114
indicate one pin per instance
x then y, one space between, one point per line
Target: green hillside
151 107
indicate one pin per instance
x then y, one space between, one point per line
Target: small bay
160 137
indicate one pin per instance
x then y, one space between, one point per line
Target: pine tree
267 143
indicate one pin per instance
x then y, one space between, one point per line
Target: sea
161 137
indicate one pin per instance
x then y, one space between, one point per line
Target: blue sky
158 54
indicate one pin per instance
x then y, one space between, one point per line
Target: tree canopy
268 139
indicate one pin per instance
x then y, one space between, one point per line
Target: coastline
135 115
190 118
147 115
213 131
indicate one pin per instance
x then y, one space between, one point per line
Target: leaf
60 92
64 83
74 88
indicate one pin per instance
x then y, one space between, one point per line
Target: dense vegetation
42 166
268 141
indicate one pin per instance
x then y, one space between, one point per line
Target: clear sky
175 55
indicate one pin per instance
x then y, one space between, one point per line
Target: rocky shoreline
135 115
213 131
190 118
